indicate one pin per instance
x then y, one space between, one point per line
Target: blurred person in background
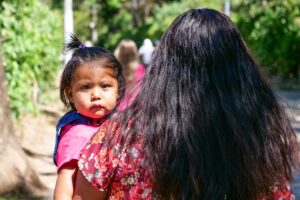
146 52
133 71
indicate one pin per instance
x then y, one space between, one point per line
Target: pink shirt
139 72
132 92
73 137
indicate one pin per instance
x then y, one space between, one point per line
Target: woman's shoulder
113 128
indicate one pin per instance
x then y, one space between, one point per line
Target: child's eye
84 87
105 85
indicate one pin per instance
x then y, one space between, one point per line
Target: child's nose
96 94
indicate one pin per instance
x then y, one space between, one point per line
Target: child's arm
64 187
72 139
85 191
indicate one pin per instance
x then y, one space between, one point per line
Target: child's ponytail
73 44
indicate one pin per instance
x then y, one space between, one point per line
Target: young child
91 86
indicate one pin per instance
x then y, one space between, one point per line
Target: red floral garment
283 192
119 171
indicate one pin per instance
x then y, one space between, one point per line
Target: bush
272 30
164 15
32 38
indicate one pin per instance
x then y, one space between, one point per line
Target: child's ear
69 95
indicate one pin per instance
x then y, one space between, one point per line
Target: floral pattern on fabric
282 191
115 170
119 171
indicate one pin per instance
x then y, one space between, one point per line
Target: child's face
94 89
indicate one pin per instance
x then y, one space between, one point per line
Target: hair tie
82 46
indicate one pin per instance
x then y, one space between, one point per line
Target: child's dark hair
82 54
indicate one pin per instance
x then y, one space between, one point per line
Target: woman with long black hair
205 125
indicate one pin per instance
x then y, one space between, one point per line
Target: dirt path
293 100
37 137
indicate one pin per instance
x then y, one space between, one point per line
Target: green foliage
31 44
118 27
272 30
116 19
165 14
82 18
115 22
111 18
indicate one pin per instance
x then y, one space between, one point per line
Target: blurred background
32 34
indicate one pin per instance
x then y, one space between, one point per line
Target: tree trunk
93 24
68 25
16 172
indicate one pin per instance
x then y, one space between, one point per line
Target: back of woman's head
126 51
213 127
127 54
82 54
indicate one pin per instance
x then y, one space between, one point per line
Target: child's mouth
96 107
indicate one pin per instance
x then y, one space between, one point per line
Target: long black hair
212 126
82 54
